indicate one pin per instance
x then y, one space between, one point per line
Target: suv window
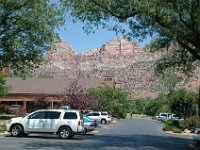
37 115
164 115
93 114
70 115
104 113
52 115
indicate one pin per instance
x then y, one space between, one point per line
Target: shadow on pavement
113 142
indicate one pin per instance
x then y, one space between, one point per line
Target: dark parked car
115 116
13 109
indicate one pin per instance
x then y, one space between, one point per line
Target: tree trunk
198 103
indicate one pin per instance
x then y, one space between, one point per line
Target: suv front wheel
65 133
103 121
16 130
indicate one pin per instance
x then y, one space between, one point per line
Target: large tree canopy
26 31
170 21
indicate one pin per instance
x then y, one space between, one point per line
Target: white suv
102 117
65 123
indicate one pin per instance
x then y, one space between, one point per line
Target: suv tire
16 130
65 133
103 121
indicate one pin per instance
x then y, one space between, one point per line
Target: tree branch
194 52
132 13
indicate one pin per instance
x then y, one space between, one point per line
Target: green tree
140 105
27 28
151 108
112 100
180 102
158 105
169 21
3 87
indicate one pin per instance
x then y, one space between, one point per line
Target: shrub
6 117
21 112
192 123
172 125
2 129
3 108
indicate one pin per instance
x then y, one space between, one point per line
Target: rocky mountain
132 66
62 60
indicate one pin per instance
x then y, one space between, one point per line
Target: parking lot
126 134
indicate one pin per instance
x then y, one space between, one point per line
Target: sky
74 35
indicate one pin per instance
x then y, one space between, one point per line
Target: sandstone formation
132 66
62 61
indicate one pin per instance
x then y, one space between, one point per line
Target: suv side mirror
30 117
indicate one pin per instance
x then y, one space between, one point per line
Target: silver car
89 124
101 117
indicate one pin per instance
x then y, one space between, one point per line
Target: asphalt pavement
125 134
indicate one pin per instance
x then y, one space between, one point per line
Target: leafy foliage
192 123
151 107
172 125
40 102
75 97
3 87
197 102
180 102
170 22
26 31
112 100
178 59
22 73
2 128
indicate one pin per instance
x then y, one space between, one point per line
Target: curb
183 133
4 133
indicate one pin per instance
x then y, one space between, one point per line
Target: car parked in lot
101 117
65 123
14 108
196 136
89 124
166 116
115 116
